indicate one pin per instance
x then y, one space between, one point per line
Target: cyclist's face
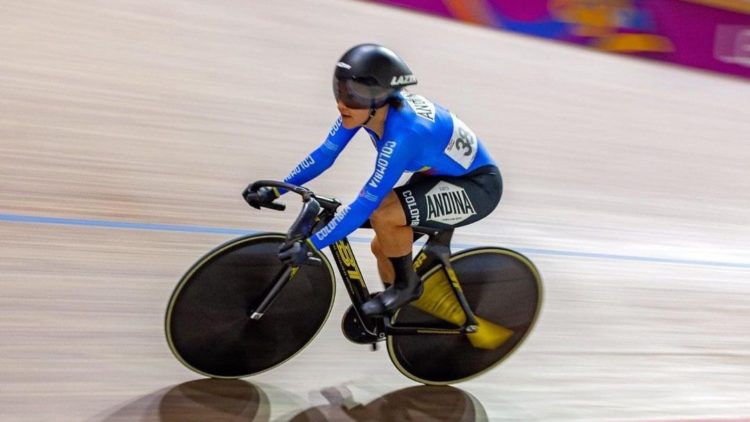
352 117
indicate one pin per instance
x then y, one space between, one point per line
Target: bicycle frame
435 251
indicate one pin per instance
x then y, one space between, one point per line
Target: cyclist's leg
393 238
392 212
385 268
454 202
436 201
392 247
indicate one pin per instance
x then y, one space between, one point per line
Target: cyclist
455 181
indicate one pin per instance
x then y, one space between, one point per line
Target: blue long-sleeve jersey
420 136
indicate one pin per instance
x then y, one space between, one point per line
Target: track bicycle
238 311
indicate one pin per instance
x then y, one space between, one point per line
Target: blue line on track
15 218
29 219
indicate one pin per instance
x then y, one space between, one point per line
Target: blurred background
128 130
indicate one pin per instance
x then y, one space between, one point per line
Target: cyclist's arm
389 166
323 157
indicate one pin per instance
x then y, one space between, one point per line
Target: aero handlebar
312 205
306 194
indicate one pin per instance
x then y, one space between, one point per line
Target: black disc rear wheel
501 286
208 324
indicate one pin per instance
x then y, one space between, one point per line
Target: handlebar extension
299 190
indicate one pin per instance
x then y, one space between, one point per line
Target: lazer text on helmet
403 80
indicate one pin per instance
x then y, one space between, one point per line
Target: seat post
438 243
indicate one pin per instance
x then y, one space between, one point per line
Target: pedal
354 330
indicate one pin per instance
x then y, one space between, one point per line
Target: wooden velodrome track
128 130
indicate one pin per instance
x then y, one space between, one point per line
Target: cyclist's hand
296 253
262 197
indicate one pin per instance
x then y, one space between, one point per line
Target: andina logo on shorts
448 204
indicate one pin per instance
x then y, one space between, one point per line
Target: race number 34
463 145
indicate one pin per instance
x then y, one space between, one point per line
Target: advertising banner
707 34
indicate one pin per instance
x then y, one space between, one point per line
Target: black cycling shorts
450 201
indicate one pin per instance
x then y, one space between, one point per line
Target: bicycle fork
281 279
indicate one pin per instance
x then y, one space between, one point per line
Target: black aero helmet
368 75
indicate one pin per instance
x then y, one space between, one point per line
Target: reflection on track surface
237 400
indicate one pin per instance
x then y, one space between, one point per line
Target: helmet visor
359 95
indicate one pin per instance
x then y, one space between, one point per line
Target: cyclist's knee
378 218
375 247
